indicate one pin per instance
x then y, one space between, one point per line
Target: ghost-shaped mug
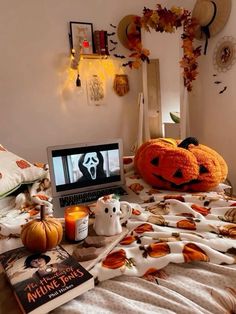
110 214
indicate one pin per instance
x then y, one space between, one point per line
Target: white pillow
15 171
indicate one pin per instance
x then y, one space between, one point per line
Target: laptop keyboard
89 196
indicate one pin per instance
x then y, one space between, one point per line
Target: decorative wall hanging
211 16
129 32
81 33
121 84
224 55
81 42
95 90
164 20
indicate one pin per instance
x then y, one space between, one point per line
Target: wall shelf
93 56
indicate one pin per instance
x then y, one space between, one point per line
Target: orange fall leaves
164 20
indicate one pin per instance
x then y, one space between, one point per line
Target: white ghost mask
91 162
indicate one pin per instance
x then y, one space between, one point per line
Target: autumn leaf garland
164 20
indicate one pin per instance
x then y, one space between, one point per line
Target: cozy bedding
178 257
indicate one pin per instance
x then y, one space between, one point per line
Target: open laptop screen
84 167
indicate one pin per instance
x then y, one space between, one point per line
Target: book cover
42 282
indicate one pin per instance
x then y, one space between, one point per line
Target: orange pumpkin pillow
180 165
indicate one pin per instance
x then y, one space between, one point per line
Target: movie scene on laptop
86 166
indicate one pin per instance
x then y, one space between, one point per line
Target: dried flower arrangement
165 20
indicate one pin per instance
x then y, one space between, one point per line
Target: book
106 43
94 248
101 42
97 42
42 282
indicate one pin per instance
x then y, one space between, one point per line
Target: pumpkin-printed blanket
183 244
171 227
175 229
166 227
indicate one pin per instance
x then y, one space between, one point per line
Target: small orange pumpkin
192 252
42 234
22 164
127 240
158 249
185 166
200 209
143 228
115 259
136 212
186 224
228 230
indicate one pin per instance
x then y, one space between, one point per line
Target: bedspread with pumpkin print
172 227
182 244
165 227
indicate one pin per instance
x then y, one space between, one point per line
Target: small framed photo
81 37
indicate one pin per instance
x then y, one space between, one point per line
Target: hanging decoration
95 90
129 31
121 84
212 17
165 20
224 55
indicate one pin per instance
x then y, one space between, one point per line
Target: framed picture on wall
95 90
81 37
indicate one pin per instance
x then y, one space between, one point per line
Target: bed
178 257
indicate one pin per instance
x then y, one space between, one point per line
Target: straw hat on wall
211 15
128 32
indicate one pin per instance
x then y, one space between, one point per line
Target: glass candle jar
76 223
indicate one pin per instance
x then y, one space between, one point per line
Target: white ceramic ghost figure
109 215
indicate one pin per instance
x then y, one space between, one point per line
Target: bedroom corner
117 166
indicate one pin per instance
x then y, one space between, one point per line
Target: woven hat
211 15
128 32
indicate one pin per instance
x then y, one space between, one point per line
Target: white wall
212 115
34 60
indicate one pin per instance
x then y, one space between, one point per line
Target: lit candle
76 223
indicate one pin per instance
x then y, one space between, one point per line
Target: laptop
81 173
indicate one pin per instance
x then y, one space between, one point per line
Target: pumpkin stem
42 212
189 140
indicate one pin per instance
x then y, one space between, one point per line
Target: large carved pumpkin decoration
42 234
180 165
